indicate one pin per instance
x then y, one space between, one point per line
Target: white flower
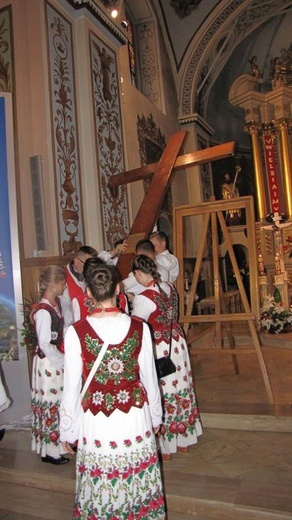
273 315
115 366
54 335
97 398
123 396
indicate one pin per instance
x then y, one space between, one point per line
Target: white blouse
43 322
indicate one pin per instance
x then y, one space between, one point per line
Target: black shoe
2 433
57 462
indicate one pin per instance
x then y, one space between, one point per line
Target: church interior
119 117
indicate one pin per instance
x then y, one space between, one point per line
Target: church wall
34 136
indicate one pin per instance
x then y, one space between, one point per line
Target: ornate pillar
252 129
284 125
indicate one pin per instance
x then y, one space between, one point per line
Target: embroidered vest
163 320
86 305
116 383
57 327
73 288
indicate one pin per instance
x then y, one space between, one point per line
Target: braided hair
101 279
147 266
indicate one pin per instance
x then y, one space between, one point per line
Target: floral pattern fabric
116 383
118 473
181 424
47 387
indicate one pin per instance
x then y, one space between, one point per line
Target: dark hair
91 262
145 245
88 250
101 279
146 265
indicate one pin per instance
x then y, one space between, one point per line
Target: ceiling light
114 13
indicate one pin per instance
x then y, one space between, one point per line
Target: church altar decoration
287 248
274 317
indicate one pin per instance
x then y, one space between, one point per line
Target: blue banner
8 323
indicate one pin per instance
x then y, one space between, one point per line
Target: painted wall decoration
109 142
6 61
10 282
64 120
149 66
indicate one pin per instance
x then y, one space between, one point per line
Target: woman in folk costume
83 304
117 414
158 306
47 373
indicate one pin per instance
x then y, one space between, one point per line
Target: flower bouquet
274 317
28 331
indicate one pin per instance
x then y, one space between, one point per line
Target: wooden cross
160 174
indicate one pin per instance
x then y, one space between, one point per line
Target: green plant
28 331
274 317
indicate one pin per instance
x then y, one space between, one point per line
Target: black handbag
164 365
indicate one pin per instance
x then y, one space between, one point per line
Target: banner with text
271 168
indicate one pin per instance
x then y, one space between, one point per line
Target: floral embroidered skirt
118 474
181 424
46 393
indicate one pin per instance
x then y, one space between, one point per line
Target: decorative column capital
269 128
252 127
284 124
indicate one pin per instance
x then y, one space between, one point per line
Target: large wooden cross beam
160 174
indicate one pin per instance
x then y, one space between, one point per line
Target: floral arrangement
287 248
28 331
274 317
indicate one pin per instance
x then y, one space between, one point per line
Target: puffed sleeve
70 409
142 307
43 323
148 377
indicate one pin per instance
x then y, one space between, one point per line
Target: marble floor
240 469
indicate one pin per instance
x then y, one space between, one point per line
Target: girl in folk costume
83 304
158 306
118 412
47 373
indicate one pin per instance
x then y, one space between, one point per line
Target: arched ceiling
209 44
202 36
